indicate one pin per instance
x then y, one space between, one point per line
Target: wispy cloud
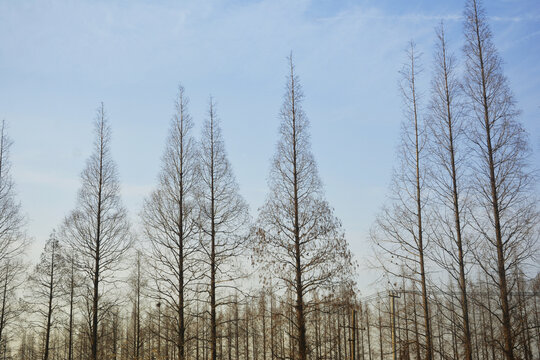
376 14
519 19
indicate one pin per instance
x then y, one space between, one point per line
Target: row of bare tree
197 253
463 199
261 325
455 242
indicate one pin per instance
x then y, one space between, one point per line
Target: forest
455 244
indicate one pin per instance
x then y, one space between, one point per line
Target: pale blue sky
59 59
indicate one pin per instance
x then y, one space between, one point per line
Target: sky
60 59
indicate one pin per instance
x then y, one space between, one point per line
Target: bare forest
199 277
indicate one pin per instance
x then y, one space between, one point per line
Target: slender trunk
272 354
254 338
300 317
197 337
4 301
454 331
440 334
361 327
237 330
485 340
380 334
138 310
159 331
537 322
95 299
181 330
229 337
406 319
339 326
352 334
392 299
264 327
420 235
291 336
221 343
491 328
71 301
213 334
4 295
475 333
50 306
416 334
457 213
368 334
246 327
525 332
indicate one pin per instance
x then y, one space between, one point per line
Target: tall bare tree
447 172
223 218
506 216
98 230
399 231
298 235
169 217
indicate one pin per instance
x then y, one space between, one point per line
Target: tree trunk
50 306
95 299
300 317
71 300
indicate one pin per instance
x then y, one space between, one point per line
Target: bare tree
506 216
12 276
223 218
46 287
169 218
298 235
447 134
137 283
71 284
399 232
12 238
98 230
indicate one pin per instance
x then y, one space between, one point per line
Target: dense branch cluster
201 279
